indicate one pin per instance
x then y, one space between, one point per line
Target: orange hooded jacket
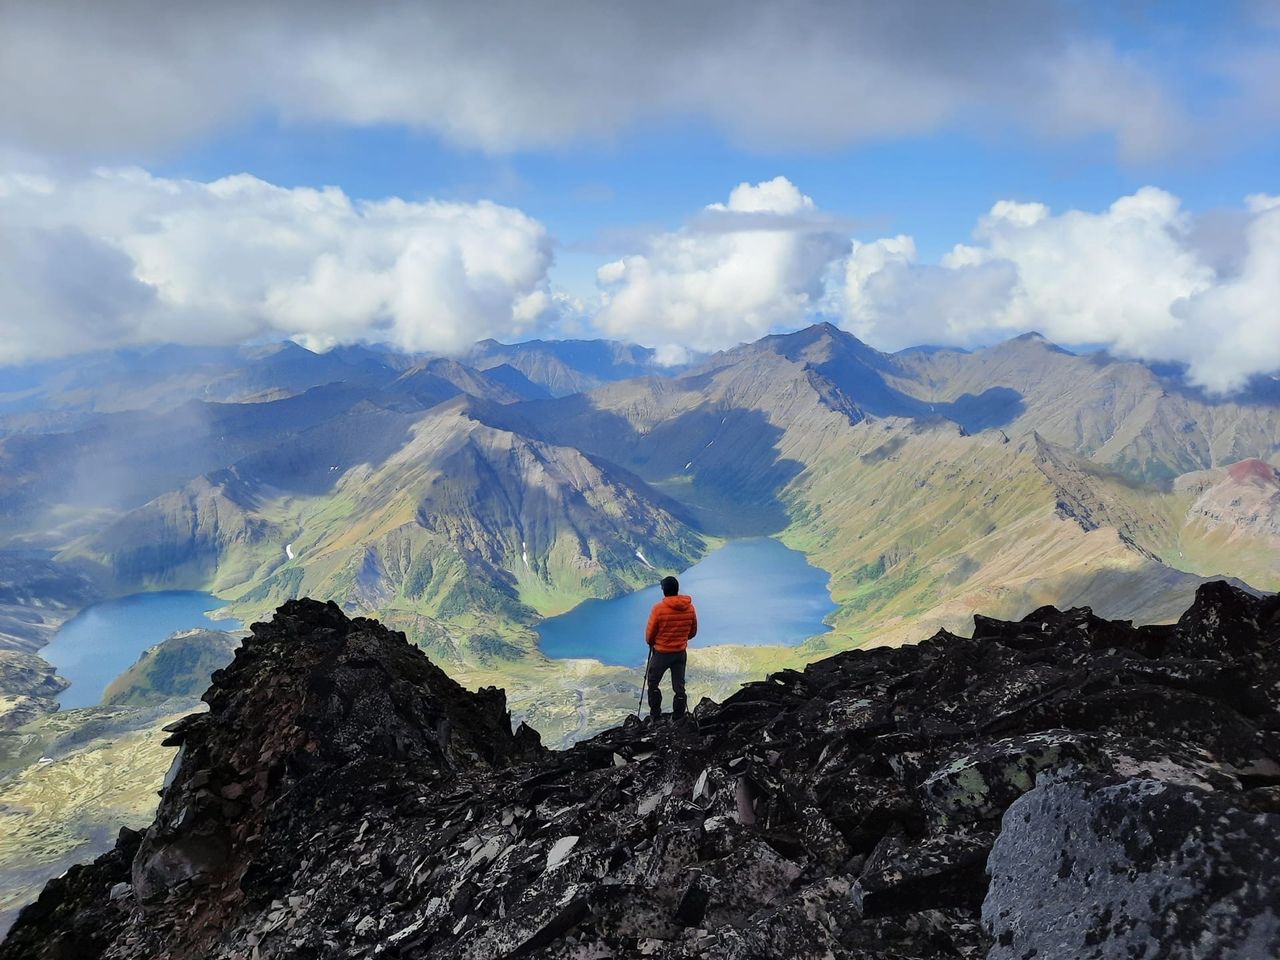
672 624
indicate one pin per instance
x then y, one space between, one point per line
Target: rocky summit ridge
1062 786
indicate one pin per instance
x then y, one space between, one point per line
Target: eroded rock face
344 798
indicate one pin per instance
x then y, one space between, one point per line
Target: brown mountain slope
1117 413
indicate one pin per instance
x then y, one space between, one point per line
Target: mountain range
465 499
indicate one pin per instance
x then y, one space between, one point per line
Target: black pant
659 664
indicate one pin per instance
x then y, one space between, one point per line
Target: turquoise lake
749 592
104 640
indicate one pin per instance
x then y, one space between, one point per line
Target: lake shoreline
738 589
136 620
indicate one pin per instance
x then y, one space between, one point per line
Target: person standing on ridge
673 622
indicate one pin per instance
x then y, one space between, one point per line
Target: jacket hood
680 602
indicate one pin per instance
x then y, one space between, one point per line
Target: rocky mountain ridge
1059 786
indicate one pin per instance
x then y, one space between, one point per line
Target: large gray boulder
1141 868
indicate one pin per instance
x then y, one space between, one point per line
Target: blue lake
104 640
749 592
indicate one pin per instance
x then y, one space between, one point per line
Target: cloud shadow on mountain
992 408
312 462
722 464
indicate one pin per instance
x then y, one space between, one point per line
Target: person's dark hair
670 586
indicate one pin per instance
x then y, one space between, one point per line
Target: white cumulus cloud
119 256
1134 278
122 257
756 266
1232 329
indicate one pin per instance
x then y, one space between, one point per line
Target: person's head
670 586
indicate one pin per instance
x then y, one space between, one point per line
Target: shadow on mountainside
1259 390
722 464
736 475
994 407
313 461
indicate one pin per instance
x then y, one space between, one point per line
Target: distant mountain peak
822 335
829 328
817 331
1036 339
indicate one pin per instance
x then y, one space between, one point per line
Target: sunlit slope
1233 522
103 771
177 667
467 519
1220 522
921 527
219 529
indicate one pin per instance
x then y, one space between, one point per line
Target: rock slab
1133 869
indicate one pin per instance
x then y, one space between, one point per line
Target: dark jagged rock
344 798
75 915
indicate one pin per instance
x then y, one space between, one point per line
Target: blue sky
950 173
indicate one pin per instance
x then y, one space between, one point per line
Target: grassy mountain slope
101 771
1219 522
69 780
470 521
177 667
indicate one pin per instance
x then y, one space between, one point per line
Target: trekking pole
644 684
